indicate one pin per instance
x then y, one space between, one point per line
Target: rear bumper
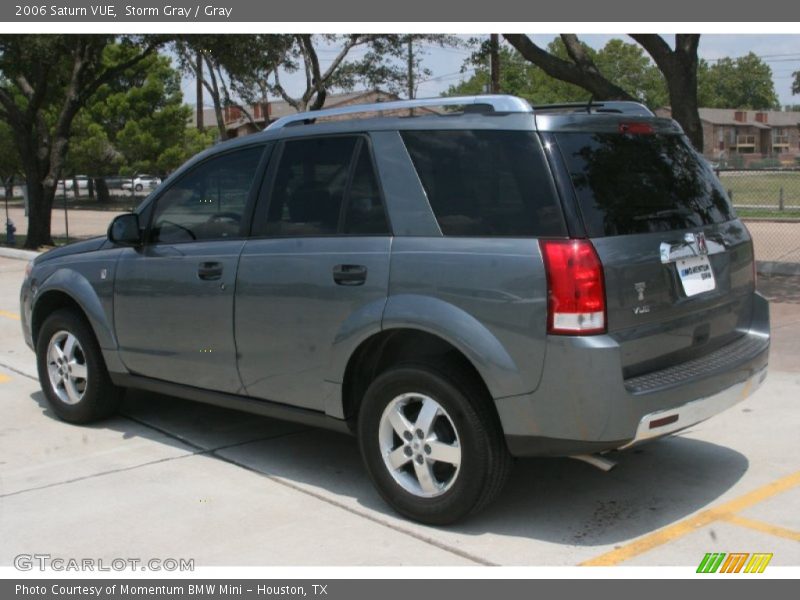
583 404
664 422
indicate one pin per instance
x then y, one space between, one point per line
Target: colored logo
734 562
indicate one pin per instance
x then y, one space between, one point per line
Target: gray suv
455 287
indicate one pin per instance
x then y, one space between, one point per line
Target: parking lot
168 478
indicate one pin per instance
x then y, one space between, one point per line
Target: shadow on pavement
557 500
780 288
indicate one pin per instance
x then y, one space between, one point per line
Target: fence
768 201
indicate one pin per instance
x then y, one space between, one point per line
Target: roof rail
623 107
493 103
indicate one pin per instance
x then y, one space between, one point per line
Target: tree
617 61
137 127
678 67
634 71
383 64
45 81
232 65
796 83
744 82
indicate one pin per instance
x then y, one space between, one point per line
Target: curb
771 267
18 254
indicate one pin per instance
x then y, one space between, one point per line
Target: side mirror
124 229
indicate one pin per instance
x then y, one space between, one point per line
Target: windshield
642 183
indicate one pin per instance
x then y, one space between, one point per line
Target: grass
763 188
766 213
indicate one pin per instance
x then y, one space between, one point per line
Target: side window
364 214
486 183
208 202
314 195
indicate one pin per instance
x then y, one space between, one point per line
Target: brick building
753 134
238 124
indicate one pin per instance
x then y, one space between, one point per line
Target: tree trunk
682 86
494 54
9 185
103 197
40 205
679 67
683 101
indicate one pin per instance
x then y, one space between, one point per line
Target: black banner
391 589
474 11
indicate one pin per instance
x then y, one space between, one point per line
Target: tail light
636 128
576 297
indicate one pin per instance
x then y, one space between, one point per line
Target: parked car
141 182
115 182
82 182
455 290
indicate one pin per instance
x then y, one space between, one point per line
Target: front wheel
433 448
72 372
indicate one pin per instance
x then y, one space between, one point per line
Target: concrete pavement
173 478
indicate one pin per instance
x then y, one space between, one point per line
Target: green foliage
736 161
629 67
767 163
796 83
137 124
625 64
744 82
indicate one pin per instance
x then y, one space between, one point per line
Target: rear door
317 270
678 264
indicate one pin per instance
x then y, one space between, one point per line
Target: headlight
28 269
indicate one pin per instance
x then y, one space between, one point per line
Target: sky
780 52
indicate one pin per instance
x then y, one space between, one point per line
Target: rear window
642 183
486 183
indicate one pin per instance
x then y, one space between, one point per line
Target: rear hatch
678 264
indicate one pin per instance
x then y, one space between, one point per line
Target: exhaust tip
600 462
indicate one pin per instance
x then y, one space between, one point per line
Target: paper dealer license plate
696 275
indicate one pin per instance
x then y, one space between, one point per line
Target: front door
173 298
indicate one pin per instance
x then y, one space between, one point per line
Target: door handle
350 274
209 271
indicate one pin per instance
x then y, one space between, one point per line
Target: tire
67 351
465 429
139 187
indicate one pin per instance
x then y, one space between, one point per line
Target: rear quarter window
629 184
486 183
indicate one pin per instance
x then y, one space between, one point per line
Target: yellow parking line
681 528
764 527
4 378
9 315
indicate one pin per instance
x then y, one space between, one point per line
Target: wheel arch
69 289
390 347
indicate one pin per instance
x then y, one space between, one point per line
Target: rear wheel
432 447
71 370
